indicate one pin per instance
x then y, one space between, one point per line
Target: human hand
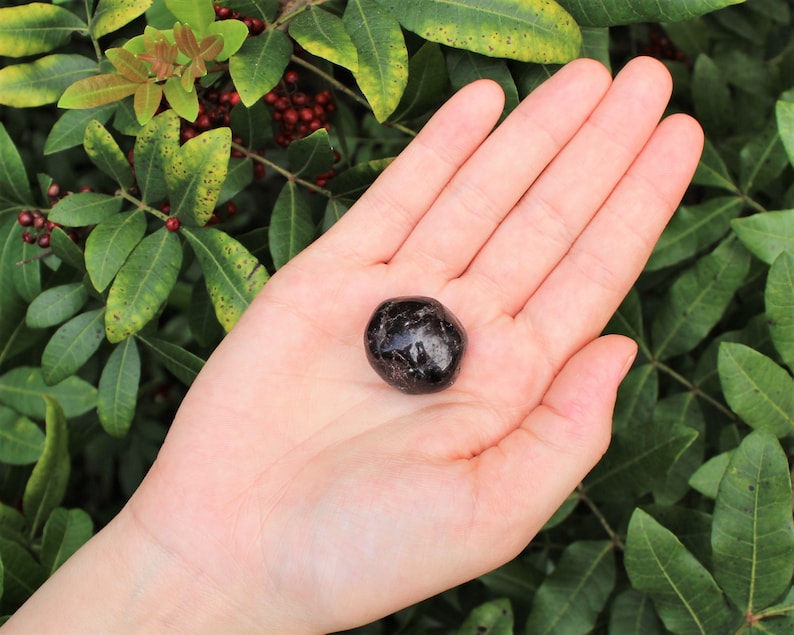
306 495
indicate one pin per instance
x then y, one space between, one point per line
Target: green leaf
706 479
712 97
232 275
685 594
65 532
97 90
85 208
27 277
21 440
323 34
109 244
427 83
349 184
22 575
779 300
13 177
259 64
234 34
182 363
71 346
146 101
615 12
311 155
23 389
637 457
69 130
102 149
111 15
204 325
142 285
762 159
118 388
571 598
154 146
42 81
712 170
525 30
56 305
46 486
291 225
128 64
492 618
693 229
382 72
198 14
784 113
766 235
632 613
65 248
637 396
698 298
35 28
195 174
466 67
757 389
753 532
184 102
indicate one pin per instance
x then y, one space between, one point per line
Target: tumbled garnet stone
415 344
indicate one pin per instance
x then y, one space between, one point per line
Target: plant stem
282 171
141 205
613 535
693 388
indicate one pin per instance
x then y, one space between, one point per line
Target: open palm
315 497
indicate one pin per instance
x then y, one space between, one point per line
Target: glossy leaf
528 31
35 28
614 12
21 440
637 456
109 244
427 82
154 146
23 389
199 15
69 130
779 300
182 363
111 15
571 598
64 533
693 229
118 388
13 177
232 275
259 64
757 389
234 34
323 34
195 174
56 305
184 102
85 208
97 90
71 346
106 154
753 532
698 298
291 225
46 486
382 72
766 235
706 479
311 155
491 618
44 80
685 594
142 285
128 64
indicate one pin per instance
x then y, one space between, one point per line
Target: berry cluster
38 228
662 48
255 25
172 223
298 113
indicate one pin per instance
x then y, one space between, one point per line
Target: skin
298 493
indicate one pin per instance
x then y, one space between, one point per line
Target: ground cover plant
159 159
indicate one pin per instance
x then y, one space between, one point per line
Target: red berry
203 122
172 224
231 208
73 236
54 190
270 98
256 26
259 171
306 114
291 77
27 237
290 117
165 208
39 222
282 103
44 241
25 218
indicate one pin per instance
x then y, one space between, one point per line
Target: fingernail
628 364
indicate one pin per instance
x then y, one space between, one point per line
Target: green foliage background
686 524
